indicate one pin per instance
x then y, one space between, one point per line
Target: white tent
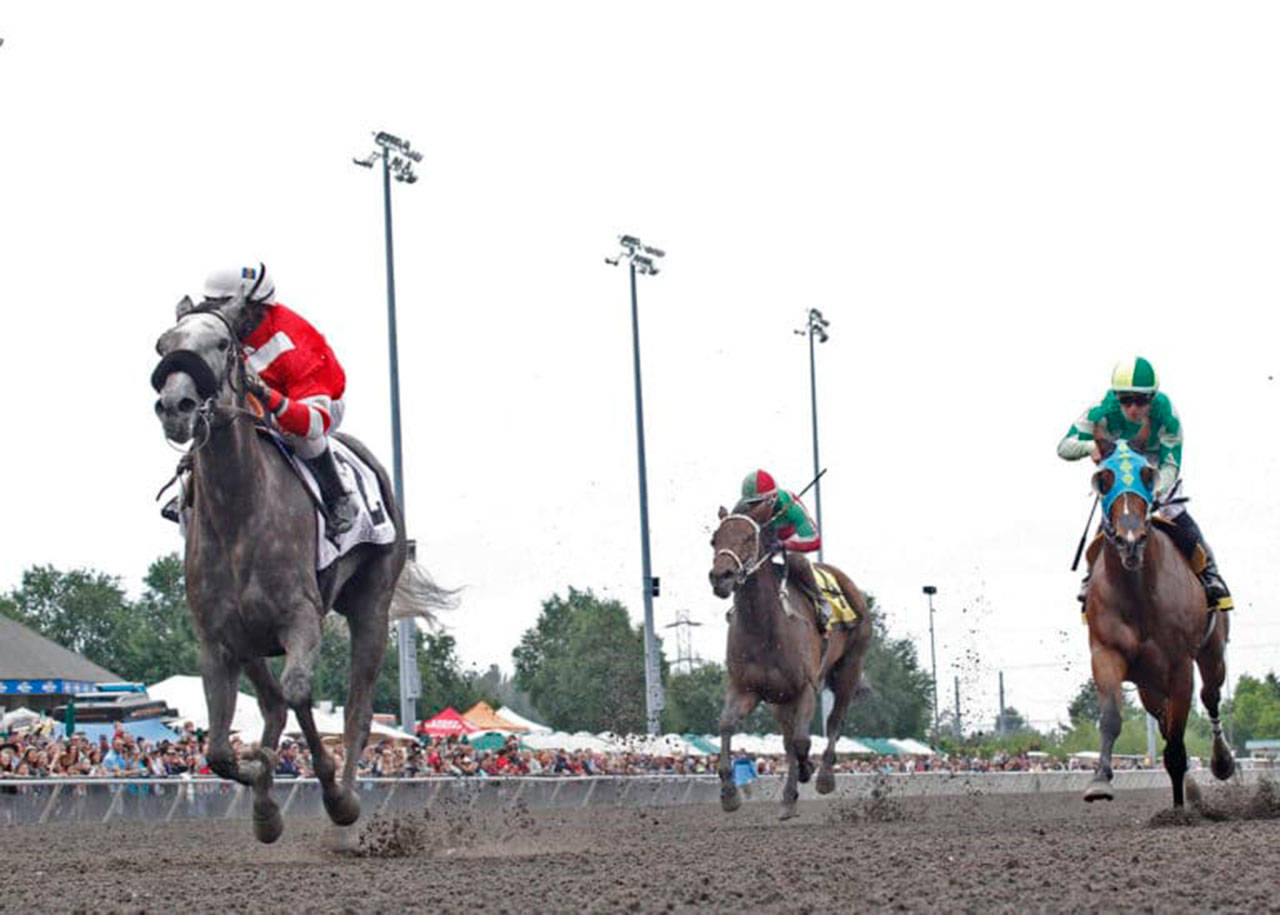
516 718
186 695
912 747
559 740
19 718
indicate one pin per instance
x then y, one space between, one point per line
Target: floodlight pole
930 590
410 686
816 326
654 700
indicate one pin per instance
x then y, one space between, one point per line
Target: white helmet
254 284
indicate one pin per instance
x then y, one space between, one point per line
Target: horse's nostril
159 408
186 405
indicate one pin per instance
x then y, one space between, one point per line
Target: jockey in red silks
292 371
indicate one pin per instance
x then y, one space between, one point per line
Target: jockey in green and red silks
791 527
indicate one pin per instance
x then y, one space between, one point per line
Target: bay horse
1149 622
252 586
777 657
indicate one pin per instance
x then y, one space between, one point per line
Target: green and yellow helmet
1135 376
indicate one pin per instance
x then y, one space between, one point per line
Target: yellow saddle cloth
843 616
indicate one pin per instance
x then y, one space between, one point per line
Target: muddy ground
1039 853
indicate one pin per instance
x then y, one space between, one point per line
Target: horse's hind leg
267 822
365 603
736 707
844 682
1212 662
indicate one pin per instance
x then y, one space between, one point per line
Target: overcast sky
991 202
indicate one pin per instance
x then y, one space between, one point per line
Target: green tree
164 639
1254 709
1013 722
83 610
899 701
443 680
694 700
583 665
1085 707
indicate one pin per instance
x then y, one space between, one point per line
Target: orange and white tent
485 718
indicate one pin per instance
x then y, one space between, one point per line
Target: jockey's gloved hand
272 400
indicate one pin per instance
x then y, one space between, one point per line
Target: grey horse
252 585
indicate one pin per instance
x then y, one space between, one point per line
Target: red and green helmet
1134 375
758 485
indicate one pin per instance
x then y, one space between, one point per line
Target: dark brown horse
1149 623
777 657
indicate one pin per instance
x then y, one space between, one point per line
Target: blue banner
44 687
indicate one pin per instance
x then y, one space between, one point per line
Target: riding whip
812 483
1080 549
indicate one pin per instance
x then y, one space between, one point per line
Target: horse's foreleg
267 822
1173 726
737 706
1212 662
794 721
221 674
1108 675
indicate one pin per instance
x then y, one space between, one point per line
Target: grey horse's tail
417 594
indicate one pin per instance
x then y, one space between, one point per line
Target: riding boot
1187 536
340 508
801 570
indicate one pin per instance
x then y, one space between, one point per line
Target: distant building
38 673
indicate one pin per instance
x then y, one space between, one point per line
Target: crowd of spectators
41 752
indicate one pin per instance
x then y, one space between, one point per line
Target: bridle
207 384
760 557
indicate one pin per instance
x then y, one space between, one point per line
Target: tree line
580 666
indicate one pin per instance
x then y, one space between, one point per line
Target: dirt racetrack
978 853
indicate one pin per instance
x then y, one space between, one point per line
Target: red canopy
446 723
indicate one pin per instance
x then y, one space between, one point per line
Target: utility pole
641 259
930 590
816 326
398 159
958 731
1000 720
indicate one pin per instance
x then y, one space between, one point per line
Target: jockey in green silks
791 528
1134 404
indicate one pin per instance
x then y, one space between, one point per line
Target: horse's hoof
1223 768
788 812
730 800
267 823
343 807
826 782
1099 791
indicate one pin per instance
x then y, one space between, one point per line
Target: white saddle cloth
372 525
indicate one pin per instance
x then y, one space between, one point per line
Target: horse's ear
183 308
1103 480
723 513
1148 474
